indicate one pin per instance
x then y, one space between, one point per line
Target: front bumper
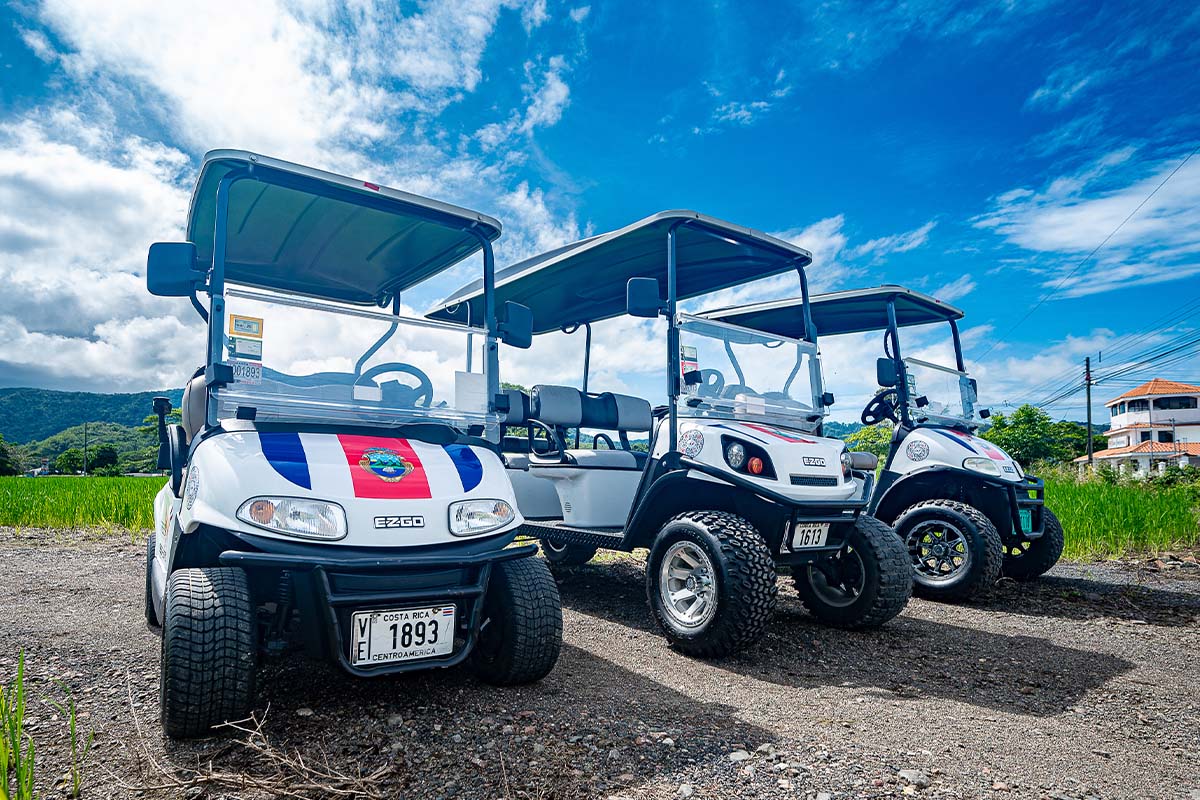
1030 495
840 515
328 588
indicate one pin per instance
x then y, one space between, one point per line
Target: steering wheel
881 407
423 390
711 383
607 440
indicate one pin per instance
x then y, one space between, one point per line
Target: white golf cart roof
305 231
835 313
585 281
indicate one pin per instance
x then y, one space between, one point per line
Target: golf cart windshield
737 373
937 393
299 360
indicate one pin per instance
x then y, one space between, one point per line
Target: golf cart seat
595 487
191 408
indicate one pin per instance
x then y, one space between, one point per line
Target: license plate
809 534
1026 519
381 637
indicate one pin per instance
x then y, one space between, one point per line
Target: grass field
62 502
1101 521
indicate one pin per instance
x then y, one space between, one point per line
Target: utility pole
1087 382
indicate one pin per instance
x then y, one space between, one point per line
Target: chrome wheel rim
687 585
839 581
557 548
938 550
1018 549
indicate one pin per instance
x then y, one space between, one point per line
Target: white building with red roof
1157 423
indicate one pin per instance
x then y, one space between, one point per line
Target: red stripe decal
384 469
778 434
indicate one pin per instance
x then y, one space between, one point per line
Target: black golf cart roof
585 281
305 231
834 313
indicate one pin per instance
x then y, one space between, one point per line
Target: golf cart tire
888 584
747 583
1042 554
522 624
983 542
151 614
566 555
209 652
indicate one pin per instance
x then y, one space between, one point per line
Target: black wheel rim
839 581
938 550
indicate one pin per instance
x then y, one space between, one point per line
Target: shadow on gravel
590 728
907 658
1086 598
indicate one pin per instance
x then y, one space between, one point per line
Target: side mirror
171 269
642 298
885 372
985 413
827 399
516 330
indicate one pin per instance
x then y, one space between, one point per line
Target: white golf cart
734 481
963 507
362 509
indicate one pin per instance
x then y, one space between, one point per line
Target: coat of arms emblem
386 464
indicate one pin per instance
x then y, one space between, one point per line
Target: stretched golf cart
963 507
360 510
735 482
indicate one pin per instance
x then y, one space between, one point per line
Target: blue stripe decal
285 453
470 468
741 432
954 438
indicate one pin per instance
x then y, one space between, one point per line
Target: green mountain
28 415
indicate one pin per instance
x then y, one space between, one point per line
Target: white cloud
897 243
1074 214
580 14
1063 86
547 101
956 289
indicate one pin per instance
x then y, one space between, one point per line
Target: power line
1089 256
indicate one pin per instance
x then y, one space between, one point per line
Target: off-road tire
1042 553
566 555
983 543
209 651
887 586
746 582
151 614
522 624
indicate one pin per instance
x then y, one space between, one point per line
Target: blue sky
977 151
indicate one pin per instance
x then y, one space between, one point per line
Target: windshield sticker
689 359
246 371
249 349
245 326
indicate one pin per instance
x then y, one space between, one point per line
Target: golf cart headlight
847 462
472 517
984 465
735 455
293 516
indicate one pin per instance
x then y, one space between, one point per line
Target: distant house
1156 424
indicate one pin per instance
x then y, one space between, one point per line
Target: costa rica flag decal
384 469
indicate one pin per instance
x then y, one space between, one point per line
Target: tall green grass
1104 521
77 502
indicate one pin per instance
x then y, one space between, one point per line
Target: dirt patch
1081 685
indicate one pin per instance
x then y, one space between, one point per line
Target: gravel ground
1084 684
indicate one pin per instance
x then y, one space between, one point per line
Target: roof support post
958 354
672 341
491 344
216 288
901 371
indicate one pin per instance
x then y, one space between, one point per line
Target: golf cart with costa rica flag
964 508
336 481
736 479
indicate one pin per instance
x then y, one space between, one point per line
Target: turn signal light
754 466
